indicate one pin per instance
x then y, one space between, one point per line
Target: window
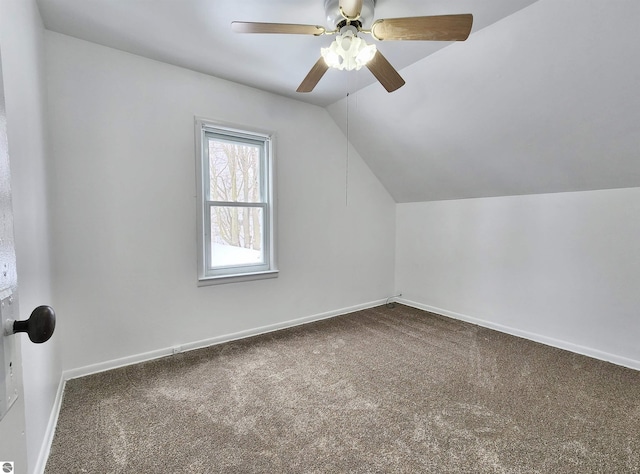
235 210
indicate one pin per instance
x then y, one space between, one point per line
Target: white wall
558 268
21 36
123 180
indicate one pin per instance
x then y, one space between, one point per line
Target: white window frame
204 129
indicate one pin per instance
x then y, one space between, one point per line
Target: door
13 447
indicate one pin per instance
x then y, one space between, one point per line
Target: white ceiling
196 34
542 97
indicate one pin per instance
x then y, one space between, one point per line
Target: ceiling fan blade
314 76
430 28
385 72
281 28
351 9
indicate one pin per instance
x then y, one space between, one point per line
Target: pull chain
346 184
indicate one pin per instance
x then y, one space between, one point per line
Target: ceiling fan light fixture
348 52
348 18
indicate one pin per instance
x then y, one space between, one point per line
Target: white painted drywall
123 181
21 36
560 268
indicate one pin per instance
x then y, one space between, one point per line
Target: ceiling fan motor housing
334 17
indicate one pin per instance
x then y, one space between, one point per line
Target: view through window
236 203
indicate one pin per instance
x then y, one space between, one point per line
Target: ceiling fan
349 51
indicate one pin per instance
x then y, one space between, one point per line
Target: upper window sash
263 146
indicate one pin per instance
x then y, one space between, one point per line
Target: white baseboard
146 356
45 448
549 341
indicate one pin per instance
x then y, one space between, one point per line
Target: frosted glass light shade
348 52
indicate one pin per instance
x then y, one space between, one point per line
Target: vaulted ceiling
544 101
196 34
542 97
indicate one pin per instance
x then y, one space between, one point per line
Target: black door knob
39 326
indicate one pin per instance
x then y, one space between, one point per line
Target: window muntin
236 203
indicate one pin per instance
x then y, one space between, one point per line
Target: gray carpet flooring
377 391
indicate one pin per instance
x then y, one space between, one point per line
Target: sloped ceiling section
545 100
196 34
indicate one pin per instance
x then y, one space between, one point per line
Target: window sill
220 280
